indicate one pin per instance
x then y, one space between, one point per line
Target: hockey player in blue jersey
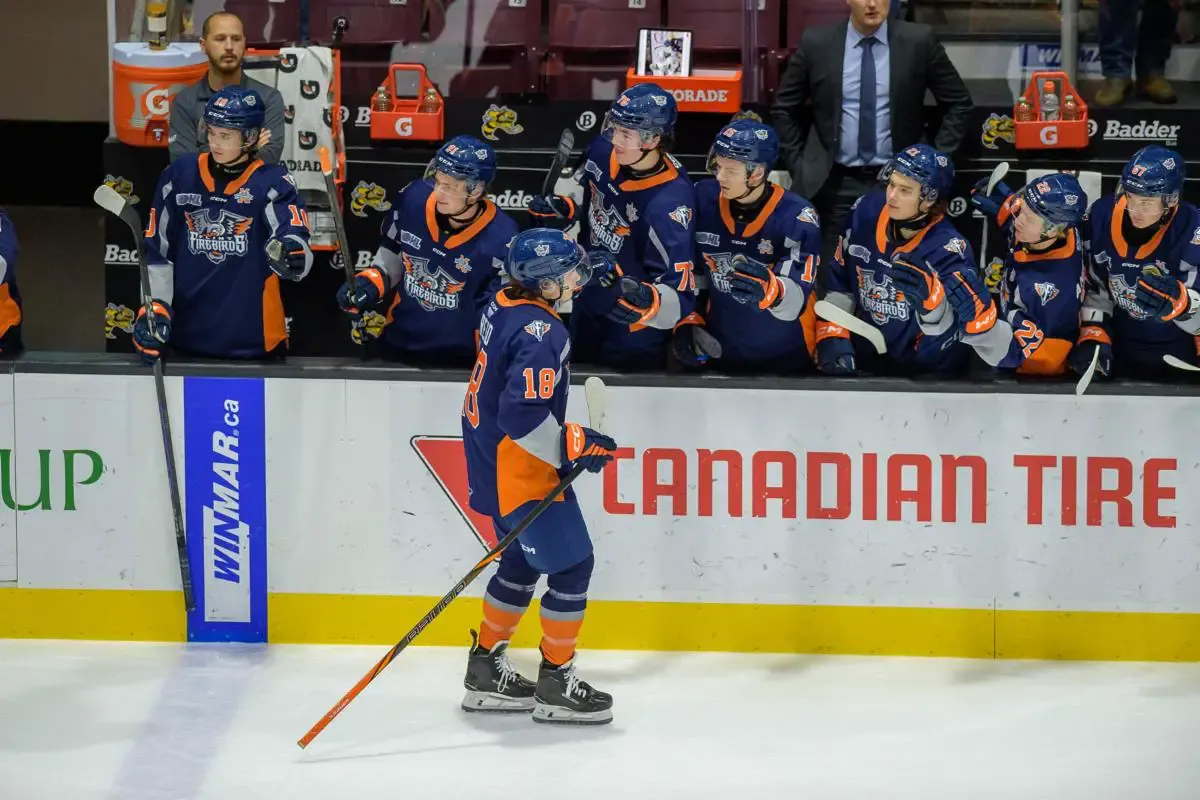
10 297
518 446
439 260
1041 284
224 228
1141 298
637 221
757 249
903 268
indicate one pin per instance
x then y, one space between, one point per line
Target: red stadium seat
593 42
267 23
502 45
371 21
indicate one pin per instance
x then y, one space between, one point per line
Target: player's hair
518 292
204 26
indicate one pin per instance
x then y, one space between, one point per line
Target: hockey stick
1179 363
108 199
338 223
997 175
594 390
566 143
831 313
1088 373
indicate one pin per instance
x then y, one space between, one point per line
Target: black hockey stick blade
566 143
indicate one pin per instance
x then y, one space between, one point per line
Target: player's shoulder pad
793 208
868 206
536 331
708 192
945 248
276 174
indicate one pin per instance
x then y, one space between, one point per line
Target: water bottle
1070 108
1049 102
382 101
1025 110
431 102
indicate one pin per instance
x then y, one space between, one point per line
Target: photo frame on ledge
664 52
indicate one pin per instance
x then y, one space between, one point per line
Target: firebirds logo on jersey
608 229
1124 294
217 234
435 291
722 265
880 298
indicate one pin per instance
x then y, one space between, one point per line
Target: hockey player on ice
902 267
10 297
758 247
224 228
1141 299
636 221
518 445
438 263
1041 284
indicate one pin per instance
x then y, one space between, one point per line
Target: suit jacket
917 62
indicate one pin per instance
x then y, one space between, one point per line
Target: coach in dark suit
866 79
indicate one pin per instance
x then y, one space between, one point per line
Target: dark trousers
1147 45
833 201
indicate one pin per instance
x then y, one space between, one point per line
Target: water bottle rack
404 121
1060 134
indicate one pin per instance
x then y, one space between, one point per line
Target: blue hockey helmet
1057 198
1155 171
236 108
543 257
748 141
931 168
643 107
465 158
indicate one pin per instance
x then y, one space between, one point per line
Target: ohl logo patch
217 234
446 461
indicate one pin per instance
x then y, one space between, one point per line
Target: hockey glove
151 331
989 204
921 286
835 353
1091 337
637 303
1163 297
752 282
552 211
973 306
586 447
288 258
605 269
369 287
687 350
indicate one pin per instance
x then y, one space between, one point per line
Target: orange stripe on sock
558 639
498 625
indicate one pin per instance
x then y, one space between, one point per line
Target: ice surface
173 722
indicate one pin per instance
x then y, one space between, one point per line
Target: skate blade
554 715
496 703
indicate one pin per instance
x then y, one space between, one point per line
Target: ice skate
562 698
493 683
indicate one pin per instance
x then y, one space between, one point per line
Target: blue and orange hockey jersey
648 224
206 249
1114 269
786 238
10 297
1041 293
442 279
515 407
860 282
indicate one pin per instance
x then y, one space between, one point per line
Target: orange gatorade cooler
144 81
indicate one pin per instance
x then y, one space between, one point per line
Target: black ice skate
563 698
493 683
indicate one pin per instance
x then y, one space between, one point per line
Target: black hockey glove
151 331
288 259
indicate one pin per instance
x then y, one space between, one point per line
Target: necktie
866 102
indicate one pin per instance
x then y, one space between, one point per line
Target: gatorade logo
158 101
1049 134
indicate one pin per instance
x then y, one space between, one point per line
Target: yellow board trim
834 630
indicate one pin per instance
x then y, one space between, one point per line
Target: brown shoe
1112 93
1156 89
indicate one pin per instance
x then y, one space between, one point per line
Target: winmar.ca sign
60 474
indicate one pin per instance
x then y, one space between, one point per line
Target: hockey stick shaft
107 198
831 313
1088 374
338 223
997 175
566 142
467 579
